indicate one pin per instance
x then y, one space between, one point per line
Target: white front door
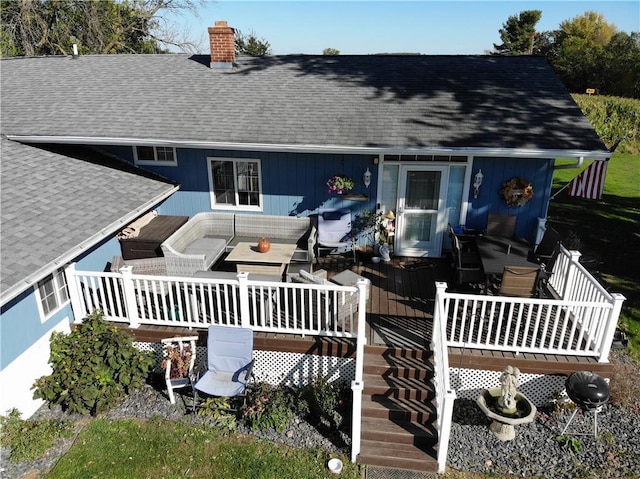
421 204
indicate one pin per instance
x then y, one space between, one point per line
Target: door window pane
423 190
419 227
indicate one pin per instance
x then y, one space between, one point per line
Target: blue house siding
292 183
20 325
498 171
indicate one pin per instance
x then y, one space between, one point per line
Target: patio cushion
312 278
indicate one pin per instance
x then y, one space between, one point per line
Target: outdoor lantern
477 182
366 178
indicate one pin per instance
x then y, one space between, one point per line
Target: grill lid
587 389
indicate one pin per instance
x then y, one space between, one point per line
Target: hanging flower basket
340 184
517 192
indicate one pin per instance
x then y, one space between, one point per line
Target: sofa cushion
205 246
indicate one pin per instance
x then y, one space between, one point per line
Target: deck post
129 291
574 259
243 295
74 293
357 385
610 329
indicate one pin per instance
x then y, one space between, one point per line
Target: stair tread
390 449
397 404
403 428
428 464
391 381
397 362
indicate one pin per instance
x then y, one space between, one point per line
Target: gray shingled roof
350 101
54 204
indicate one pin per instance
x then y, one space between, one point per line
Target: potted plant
340 184
366 224
179 361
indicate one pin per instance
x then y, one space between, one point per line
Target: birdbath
505 406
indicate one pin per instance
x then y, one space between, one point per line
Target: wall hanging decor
517 192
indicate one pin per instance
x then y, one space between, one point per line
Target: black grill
587 389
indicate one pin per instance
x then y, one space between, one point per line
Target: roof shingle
348 101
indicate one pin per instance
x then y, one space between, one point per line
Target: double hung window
235 183
53 293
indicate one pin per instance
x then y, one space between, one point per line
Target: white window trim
236 207
155 162
60 304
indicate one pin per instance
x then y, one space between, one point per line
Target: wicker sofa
202 240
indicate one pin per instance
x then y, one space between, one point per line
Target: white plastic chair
178 373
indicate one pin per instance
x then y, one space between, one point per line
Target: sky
366 26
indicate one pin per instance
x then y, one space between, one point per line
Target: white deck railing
294 308
580 322
445 396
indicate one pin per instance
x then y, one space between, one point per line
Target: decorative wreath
517 192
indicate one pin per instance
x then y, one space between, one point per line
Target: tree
251 45
619 66
579 48
330 51
43 27
518 33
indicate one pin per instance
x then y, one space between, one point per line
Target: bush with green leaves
269 407
221 410
93 366
29 439
326 401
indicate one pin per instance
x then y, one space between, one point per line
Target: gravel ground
535 452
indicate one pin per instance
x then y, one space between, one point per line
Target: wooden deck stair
398 410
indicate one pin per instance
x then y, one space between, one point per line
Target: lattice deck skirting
539 388
275 367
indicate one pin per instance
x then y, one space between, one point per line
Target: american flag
590 183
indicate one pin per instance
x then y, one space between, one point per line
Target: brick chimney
223 46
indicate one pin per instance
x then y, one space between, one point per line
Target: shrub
29 440
92 366
221 410
269 407
326 401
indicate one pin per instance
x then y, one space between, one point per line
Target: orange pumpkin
264 245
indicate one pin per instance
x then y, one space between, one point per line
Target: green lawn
158 448
607 232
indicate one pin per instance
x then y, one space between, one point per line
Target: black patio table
497 252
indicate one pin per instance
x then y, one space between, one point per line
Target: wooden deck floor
400 314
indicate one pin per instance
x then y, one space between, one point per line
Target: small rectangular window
155 155
53 292
235 183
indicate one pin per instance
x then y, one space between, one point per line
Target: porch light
366 178
477 183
